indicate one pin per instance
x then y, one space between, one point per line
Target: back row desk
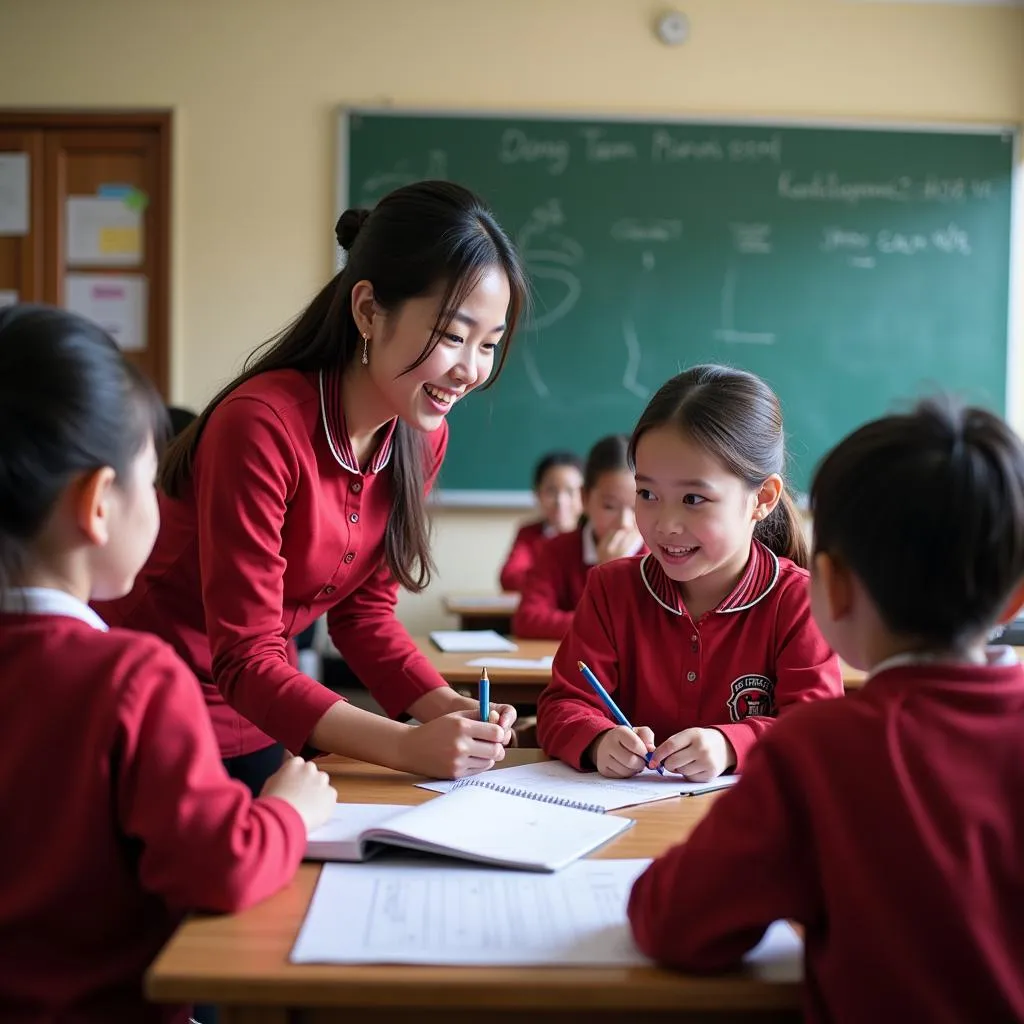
524 685
240 961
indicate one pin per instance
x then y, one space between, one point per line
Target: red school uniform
118 815
890 825
555 585
756 654
529 541
278 527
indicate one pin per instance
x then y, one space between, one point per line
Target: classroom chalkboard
852 267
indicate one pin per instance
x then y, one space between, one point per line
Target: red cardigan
279 527
890 825
756 654
529 542
118 816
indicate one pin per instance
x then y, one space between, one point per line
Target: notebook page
430 914
338 839
469 641
480 824
558 780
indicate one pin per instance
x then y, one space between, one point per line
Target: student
707 638
554 587
889 824
118 814
557 480
301 490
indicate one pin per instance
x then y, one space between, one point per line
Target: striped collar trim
48 601
337 432
758 580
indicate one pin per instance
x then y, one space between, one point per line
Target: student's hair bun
348 226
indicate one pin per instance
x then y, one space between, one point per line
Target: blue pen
485 696
612 706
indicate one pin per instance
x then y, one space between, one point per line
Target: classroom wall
254 85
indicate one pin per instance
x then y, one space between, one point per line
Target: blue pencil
610 704
485 696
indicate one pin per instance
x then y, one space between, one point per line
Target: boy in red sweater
889 824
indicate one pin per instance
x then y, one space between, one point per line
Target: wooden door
99 236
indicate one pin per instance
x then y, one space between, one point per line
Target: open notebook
473 822
559 783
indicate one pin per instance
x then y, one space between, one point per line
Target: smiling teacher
301 490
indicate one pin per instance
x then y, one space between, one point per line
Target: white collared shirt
590 546
48 601
997 656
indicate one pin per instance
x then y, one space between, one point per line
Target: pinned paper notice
103 231
116 302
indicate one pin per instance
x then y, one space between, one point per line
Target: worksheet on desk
403 913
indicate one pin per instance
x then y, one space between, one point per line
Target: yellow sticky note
119 241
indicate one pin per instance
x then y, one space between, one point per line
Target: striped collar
757 581
337 432
48 601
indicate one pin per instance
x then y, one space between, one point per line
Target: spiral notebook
472 822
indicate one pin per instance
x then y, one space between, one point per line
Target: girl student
119 816
889 824
608 531
557 482
707 638
301 490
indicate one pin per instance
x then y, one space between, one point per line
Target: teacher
301 490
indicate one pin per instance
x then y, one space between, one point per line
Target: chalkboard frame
512 500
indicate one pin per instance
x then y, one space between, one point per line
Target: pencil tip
580 665
483 672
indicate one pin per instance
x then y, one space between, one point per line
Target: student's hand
453 745
620 752
309 790
699 754
617 544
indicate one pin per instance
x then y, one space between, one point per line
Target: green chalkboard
852 268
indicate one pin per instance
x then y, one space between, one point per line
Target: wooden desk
240 962
508 685
483 611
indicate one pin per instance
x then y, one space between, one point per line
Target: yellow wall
254 84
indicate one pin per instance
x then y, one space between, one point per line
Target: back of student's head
735 417
69 404
431 236
555 460
927 509
609 455
180 419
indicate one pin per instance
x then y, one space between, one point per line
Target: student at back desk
557 480
890 824
555 584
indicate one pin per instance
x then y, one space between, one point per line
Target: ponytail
783 532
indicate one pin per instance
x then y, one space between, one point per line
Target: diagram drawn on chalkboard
402 173
549 255
634 354
728 331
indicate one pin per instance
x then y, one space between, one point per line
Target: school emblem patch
751 695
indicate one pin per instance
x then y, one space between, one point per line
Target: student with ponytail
707 638
301 490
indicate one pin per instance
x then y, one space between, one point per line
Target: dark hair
735 417
69 404
927 509
419 237
554 460
609 455
180 418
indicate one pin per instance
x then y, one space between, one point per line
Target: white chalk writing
518 147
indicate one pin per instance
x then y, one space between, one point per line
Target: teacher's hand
444 700
452 746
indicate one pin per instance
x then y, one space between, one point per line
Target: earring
366 342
